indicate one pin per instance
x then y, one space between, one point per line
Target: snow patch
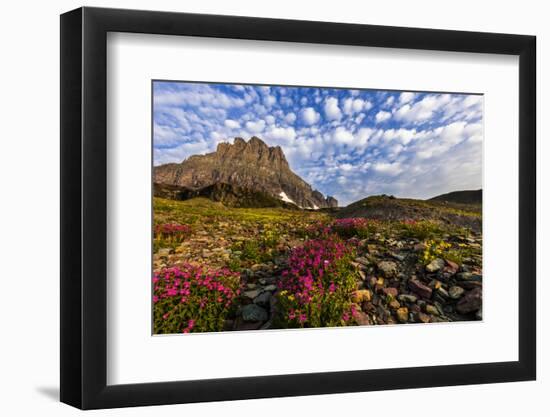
315 207
284 197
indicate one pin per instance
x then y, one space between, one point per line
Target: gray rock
468 276
388 268
430 309
253 313
407 298
442 292
398 256
435 265
271 288
164 252
470 302
263 299
455 292
247 273
251 294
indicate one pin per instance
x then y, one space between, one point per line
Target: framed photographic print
291 208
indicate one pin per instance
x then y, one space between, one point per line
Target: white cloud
269 100
424 109
382 116
232 124
332 111
290 118
286 101
402 135
406 97
256 127
270 119
281 135
303 101
342 136
310 116
364 134
197 95
386 168
181 152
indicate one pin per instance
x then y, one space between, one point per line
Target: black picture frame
84 207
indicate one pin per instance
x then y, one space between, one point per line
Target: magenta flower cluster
350 223
345 228
172 229
316 288
193 298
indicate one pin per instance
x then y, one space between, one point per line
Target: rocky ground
405 274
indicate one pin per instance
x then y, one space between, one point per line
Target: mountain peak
248 164
255 140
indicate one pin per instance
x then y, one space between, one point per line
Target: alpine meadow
279 207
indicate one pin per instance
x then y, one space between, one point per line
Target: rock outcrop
251 165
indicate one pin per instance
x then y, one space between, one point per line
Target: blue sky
346 143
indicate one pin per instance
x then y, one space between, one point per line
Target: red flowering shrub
172 231
350 227
316 289
193 299
318 229
345 228
170 235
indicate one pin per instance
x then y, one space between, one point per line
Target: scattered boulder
470 302
252 294
361 295
421 289
390 291
402 314
362 261
253 313
451 267
362 319
387 268
407 298
430 309
263 299
455 292
435 265
164 252
423 318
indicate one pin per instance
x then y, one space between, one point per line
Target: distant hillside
227 194
252 166
385 207
461 197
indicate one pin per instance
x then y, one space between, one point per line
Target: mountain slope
391 208
251 166
227 194
461 197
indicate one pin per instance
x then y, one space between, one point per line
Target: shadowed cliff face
251 165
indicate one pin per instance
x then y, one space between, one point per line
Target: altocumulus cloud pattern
346 143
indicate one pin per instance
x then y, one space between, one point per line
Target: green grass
472 210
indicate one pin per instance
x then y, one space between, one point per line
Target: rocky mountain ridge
251 165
